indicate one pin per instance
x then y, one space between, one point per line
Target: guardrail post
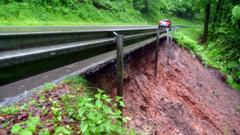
119 41
168 36
157 51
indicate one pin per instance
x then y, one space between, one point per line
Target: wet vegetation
89 12
218 43
72 107
68 108
218 37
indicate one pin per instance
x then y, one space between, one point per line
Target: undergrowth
215 54
81 13
84 12
69 108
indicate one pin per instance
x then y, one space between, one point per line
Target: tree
217 13
206 21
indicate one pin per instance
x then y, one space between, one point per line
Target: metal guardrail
24 46
23 49
11 31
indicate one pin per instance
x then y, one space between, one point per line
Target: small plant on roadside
96 116
27 127
9 110
42 98
75 82
48 86
57 111
44 132
78 111
63 130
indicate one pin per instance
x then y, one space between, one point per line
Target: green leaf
99 118
121 104
32 123
108 125
91 116
34 120
62 131
25 132
44 132
118 112
125 119
107 110
100 91
16 129
118 98
84 126
81 111
98 96
98 103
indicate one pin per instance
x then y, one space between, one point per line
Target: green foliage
75 12
141 5
233 83
182 8
42 12
63 130
44 132
75 81
49 86
26 128
188 43
74 112
103 4
9 110
95 115
57 112
222 51
219 54
236 14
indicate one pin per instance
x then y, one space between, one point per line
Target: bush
236 15
77 111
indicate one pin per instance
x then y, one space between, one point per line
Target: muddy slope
184 99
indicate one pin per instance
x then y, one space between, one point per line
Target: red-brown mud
185 98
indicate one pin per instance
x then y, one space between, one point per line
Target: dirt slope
184 99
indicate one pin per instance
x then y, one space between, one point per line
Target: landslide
186 98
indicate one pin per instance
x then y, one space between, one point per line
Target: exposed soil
185 98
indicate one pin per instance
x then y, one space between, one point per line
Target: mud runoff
184 99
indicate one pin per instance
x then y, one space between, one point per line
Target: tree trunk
217 13
206 22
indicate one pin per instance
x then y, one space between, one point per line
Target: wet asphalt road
61 29
15 90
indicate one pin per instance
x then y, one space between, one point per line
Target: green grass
212 54
84 13
30 14
9 110
26 14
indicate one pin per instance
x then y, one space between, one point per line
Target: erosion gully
185 98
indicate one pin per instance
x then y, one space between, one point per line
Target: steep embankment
185 97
